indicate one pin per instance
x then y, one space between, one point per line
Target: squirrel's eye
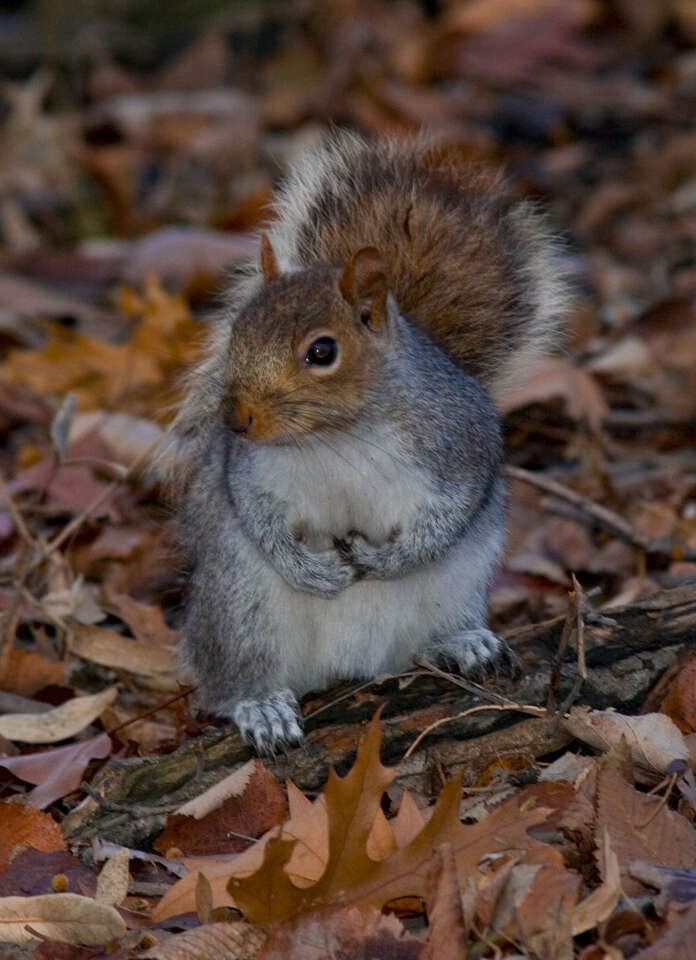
322 353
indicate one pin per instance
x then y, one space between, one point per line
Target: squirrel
338 452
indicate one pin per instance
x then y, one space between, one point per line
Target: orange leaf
22 826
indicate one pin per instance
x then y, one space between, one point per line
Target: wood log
625 657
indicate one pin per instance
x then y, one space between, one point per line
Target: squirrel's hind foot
270 723
474 651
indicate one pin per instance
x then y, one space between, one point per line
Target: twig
148 713
15 514
574 625
520 707
469 685
608 519
670 781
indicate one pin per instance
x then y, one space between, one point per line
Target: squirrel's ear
269 261
364 285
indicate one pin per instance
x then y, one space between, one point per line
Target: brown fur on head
282 379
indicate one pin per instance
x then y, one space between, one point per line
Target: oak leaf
351 875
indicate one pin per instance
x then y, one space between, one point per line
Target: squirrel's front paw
471 650
269 723
328 573
362 555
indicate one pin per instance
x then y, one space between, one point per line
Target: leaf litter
122 210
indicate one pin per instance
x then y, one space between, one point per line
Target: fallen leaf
245 808
680 702
677 942
32 871
25 672
640 827
22 826
556 378
352 803
601 902
58 771
61 916
447 934
125 437
233 785
341 932
113 879
214 941
653 739
111 649
59 723
145 620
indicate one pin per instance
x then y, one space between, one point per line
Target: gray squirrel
338 454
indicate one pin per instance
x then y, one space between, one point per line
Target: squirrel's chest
363 482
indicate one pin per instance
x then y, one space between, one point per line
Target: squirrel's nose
241 418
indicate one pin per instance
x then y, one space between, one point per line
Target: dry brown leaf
145 620
555 378
641 827
127 376
58 771
680 702
60 916
381 842
677 943
308 826
447 934
341 932
601 902
22 826
59 723
352 803
113 879
231 941
256 804
408 822
653 739
204 898
111 649
537 889
24 671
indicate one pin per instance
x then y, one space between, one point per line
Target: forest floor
546 813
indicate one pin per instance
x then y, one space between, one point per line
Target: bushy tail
480 273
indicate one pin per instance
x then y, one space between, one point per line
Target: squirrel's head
307 347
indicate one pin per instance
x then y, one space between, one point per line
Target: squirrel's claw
270 723
473 651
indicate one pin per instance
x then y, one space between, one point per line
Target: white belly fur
375 626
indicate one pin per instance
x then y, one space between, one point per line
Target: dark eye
322 353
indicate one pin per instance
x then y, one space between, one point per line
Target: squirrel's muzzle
240 417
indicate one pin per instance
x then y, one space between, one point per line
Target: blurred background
140 144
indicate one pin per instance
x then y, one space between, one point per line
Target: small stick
475 688
15 514
148 713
